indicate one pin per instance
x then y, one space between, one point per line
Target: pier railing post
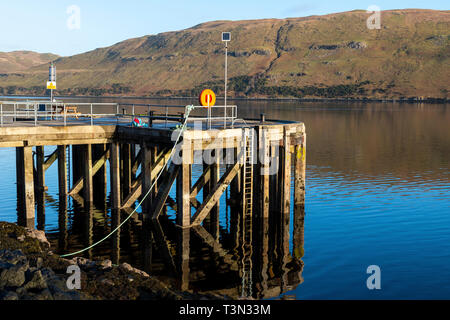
92 116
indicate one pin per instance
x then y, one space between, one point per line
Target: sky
68 27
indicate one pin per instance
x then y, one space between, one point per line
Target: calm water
378 193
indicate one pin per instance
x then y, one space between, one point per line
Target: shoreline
29 270
411 100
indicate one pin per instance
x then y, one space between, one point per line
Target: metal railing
44 112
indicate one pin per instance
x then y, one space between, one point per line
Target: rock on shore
30 271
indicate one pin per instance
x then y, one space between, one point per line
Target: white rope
183 127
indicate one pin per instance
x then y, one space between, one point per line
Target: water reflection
192 258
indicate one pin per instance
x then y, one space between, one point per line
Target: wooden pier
258 162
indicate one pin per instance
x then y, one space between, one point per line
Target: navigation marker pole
51 83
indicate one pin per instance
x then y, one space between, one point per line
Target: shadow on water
377 192
197 258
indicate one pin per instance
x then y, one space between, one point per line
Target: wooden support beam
264 151
235 191
137 191
25 184
146 180
77 164
214 213
164 191
40 170
126 168
172 203
154 157
183 195
183 254
262 223
100 154
210 241
79 184
78 199
88 176
274 179
63 218
50 159
163 245
115 221
62 171
88 217
195 203
285 206
299 173
286 181
136 162
201 182
39 187
299 199
115 175
216 193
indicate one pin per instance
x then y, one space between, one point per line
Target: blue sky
42 25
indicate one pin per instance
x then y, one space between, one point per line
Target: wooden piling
40 170
62 171
126 169
299 173
25 184
100 174
88 176
115 175
183 253
183 195
146 169
215 211
184 186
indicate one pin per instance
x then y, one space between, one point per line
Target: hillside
330 56
16 61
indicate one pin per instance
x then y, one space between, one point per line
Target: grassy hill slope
16 61
334 55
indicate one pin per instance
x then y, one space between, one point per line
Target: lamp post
226 37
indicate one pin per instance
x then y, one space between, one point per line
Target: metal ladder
247 212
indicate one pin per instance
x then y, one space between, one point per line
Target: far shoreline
411 100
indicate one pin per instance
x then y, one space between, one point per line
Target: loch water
377 193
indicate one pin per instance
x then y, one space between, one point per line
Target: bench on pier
70 110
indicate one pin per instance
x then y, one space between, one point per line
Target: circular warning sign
207 98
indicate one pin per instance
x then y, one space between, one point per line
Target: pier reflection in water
199 258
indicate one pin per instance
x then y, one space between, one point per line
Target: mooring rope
182 128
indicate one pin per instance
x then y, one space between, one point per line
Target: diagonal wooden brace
164 190
97 165
215 194
137 191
